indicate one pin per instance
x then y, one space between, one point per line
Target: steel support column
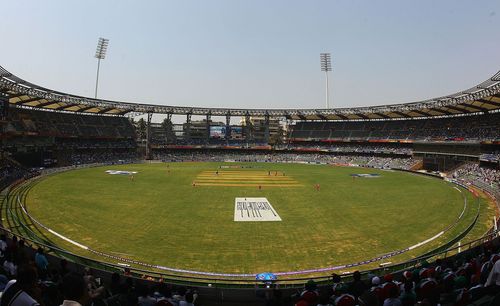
228 127
266 128
248 128
148 136
187 132
170 131
208 127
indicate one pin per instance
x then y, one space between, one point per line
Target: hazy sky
255 54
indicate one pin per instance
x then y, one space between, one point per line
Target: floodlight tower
100 54
326 65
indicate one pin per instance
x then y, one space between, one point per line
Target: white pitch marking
254 209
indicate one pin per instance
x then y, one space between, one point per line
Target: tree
167 126
141 128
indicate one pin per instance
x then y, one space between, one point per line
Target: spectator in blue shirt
41 262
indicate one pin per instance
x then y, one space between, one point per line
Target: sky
253 53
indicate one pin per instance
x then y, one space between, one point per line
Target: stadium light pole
100 54
326 65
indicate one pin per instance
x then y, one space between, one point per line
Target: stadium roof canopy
482 98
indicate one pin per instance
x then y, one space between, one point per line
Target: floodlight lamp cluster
102 46
326 62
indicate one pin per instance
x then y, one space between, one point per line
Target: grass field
159 217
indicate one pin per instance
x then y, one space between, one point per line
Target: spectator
96 290
408 297
144 298
121 297
189 299
357 287
114 285
368 298
3 282
345 300
63 267
493 282
324 300
74 289
392 299
476 289
3 246
310 293
22 253
388 287
376 289
12 246
9 265
23 291
276 298
164 303
180 296
41 262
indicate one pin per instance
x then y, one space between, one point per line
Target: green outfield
181 214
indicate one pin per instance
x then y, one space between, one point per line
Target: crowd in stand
472 172
102 156
79 143
445 282
258 156
376 162
11 171
27 279
349 148
485 127
55 124
493 157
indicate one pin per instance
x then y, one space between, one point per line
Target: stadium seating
54 124
276 157
11 171
485 127
473 173
43 138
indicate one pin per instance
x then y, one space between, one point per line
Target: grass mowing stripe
247 180
247 185
243 178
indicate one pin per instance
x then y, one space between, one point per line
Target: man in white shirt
493 281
